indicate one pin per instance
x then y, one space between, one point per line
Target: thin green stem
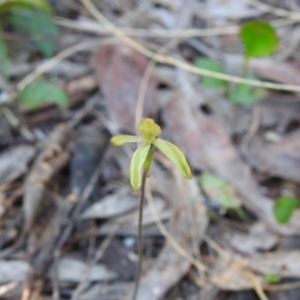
140 233
245 68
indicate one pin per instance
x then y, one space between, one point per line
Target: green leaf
210 181
272 278
119 140
4 60
136 166
175 155
284 208
39 25
43 30
20 19
211 65
259 39
41 92
246 94
220 191
6 5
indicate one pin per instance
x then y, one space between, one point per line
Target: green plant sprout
7 6
246 94
140 165
223 193
33 18
284 208
259 39
272 278
211 65
40 92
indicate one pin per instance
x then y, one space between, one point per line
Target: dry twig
179 63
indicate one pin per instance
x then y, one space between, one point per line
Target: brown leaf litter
119 71
77 238
52 158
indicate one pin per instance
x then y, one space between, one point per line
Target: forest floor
68 215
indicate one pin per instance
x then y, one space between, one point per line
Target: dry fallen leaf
112 205
172 14
88 148
71 269
52 158
129 221
11 290
281 158
112 290
228 9
234 278
259 238
13 163
284 72
119 71
284 264
15 270
235 273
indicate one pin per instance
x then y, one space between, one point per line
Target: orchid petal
119 140
136 166
175 155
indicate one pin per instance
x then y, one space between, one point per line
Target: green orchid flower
142 157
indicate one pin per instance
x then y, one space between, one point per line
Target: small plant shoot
246 94
211 65
222 193
284 208
219 190
43 92
272 279
259 39
140 166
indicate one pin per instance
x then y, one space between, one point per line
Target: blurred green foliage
32 18
284 208
39 25
41 92
272 278
259 39
211 65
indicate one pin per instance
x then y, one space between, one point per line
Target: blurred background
221 78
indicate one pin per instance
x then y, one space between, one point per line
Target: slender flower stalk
140 235
140 165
